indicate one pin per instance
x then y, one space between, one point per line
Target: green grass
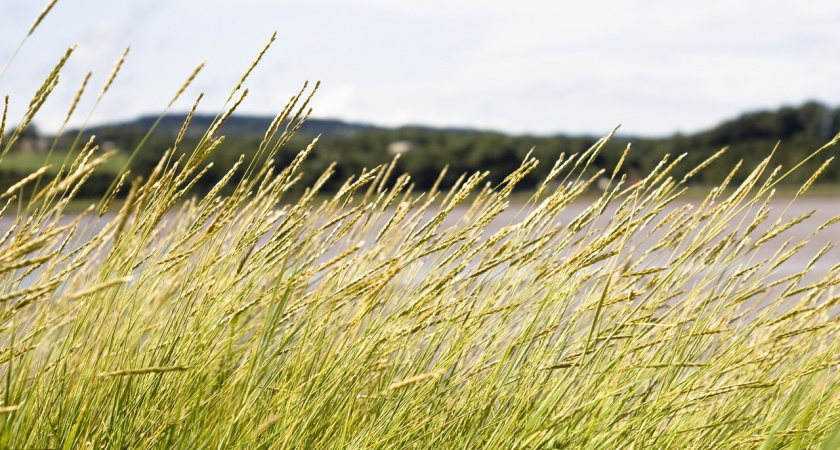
366 319
28 162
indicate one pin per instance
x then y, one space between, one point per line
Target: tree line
794 132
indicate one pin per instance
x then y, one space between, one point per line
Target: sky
525 66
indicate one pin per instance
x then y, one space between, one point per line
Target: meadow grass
377 317
28 162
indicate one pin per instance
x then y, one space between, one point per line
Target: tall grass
378 317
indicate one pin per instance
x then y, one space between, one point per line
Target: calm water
824 209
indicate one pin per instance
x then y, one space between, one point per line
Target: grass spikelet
27 291
98 287
829 223
186 84
814 177
415 380
253 65
23 182
268 424
143 371
187 122
221 120
704 164
40 96
620 162
9 409
77 97
779 229
125 211
41 16
110 197
3 119
113 74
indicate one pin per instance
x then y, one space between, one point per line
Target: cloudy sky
654 66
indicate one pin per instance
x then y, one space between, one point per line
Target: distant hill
812 118
235 125
425 151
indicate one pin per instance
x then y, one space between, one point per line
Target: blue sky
656 67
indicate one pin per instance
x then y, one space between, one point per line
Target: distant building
33 144
398 147
603 183
29 140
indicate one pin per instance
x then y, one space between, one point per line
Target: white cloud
538 66
336 101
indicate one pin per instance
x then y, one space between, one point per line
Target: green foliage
750 139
